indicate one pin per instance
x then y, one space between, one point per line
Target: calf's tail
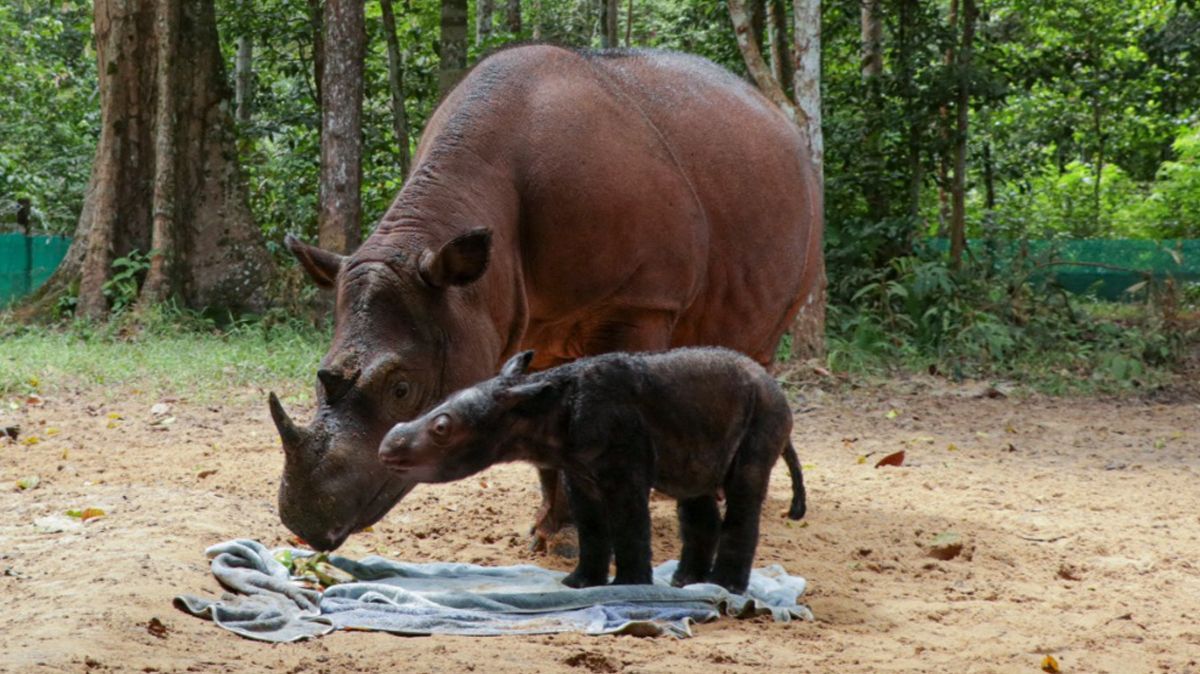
799 504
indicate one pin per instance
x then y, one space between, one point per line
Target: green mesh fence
1102 268
26 263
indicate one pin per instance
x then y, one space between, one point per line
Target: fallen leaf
206 473
33 381
31 440
86 514
34 400
64 454
367 530
52 431
862 459
27 483
945 546
1049 664
893 459
952 447
892 414
112 424
156 628
298 542
160 409
114 416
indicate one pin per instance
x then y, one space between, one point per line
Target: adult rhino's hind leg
553 514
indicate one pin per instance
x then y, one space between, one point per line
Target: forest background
1050 123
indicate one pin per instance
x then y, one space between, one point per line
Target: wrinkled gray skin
688 422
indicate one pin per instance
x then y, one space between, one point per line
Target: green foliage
142 353
49 117
981 323
122 287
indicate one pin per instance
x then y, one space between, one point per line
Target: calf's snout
396 446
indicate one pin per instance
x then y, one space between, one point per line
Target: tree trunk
943 178
165 174
512 16
874 186
743 28
396 86
989 186
781 47
318 37
628 22
244 78
608 21
453 47
483 20
808 329
958 227
913 107
1098 132
537 19
339 224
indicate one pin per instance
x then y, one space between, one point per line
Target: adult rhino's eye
401 390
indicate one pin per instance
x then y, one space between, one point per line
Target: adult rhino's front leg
628 330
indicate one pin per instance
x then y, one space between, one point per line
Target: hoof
578 580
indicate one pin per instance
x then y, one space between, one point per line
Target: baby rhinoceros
688 422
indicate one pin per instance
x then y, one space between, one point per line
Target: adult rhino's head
411 326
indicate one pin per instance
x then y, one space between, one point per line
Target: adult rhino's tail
799 502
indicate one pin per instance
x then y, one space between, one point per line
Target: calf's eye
441 425
401 390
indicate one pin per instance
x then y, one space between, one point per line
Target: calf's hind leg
699 527
745 491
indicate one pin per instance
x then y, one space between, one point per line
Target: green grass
204 366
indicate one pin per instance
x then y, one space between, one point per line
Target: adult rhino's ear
460 261
517 365
322 266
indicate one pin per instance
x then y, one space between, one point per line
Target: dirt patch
1075 526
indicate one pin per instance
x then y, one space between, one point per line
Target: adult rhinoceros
568 202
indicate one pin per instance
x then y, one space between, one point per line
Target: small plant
128 272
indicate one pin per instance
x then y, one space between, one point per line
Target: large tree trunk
808 329
484 9
165 176
339 224
874 186
453 46
608 21
743 27
396 85
958 218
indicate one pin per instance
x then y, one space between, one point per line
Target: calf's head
410 325
471 429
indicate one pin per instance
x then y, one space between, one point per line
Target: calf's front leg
595 547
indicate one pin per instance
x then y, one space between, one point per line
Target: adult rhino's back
657 191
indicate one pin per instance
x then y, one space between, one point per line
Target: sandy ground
1079 519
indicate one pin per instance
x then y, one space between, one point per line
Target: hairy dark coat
688 422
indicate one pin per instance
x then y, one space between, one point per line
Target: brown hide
634 201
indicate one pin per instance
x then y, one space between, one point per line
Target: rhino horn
293 436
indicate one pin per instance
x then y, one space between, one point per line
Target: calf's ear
532 398
460 261
322 266
517 365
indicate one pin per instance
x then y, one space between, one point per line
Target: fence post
24 207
